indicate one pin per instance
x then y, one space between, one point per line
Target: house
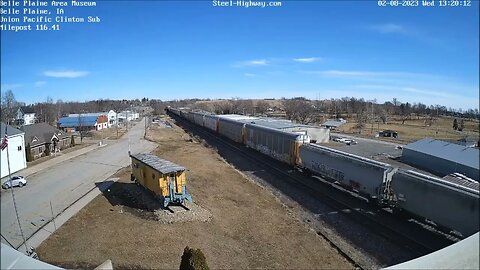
127 116
42 136
83 123
25 116
16 150
333 124
111 115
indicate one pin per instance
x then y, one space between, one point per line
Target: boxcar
198 118
367 177
278 144
448 203
211 122
231 129
165 179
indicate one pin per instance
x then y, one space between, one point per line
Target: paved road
64 183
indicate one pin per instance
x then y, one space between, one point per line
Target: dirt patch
247 228
112 133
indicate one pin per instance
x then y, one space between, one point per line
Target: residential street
64 183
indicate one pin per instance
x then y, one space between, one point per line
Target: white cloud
388 28
66 74
251 63
307 59
249 74
40 83
357 73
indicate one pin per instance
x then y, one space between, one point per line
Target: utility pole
145 133
13 193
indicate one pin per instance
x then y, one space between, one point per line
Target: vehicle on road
349 141
17 181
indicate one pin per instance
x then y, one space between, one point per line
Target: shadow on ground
132 197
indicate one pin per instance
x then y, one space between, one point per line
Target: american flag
5 140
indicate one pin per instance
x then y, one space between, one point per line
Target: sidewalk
45 231
54 161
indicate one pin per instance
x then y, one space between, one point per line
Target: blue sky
187 49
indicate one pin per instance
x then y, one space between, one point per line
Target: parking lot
368 148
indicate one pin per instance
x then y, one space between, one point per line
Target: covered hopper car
446 203
165 179
368 177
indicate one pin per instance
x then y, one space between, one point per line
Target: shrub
47 150
193 259
28 153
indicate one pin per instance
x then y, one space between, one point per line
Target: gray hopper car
444 202
283 146
198 118
211 122
231 129
368 177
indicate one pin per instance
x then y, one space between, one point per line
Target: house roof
90 114
333 123
43 132
26 109
161 165
77 121
466 156
10 130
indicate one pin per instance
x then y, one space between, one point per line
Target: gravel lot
242 224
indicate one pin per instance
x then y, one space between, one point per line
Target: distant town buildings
82 123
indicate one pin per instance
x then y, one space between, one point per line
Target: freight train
451 204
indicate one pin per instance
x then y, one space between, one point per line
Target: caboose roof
161 165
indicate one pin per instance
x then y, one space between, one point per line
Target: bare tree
9 107
261 107
298 109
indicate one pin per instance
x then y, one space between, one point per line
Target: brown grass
414 129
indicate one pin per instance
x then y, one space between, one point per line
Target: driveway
64 183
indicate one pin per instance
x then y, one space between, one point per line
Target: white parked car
349 141
17 181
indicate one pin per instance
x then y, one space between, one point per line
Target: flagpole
13 194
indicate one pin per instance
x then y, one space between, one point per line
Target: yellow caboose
165 179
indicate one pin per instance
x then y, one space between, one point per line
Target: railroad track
379 221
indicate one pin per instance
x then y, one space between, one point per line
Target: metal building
442 158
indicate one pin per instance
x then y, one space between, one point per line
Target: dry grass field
415 129
108 133
249 227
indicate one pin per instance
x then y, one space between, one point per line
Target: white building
111 115
127 116
25 116
16 150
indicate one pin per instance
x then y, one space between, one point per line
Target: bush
193 260
28 153
47 150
